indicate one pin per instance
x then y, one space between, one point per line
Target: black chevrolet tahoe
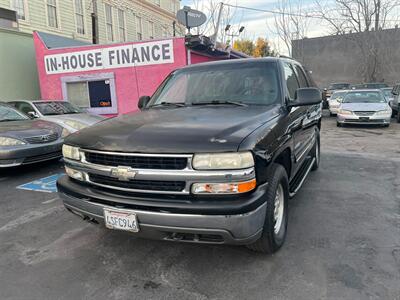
212 157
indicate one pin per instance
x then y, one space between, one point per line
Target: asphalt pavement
343 239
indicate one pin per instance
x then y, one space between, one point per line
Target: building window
79 17
151 30
139 28
173 6
19 7
121 24
109 22
96 93
52 19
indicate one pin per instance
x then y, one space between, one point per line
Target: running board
298 180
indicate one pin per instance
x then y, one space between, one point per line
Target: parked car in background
63 113
214 165
25 141
395 103
370 85
364 107
335 100
332 88
387 92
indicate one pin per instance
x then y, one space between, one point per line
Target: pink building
109 79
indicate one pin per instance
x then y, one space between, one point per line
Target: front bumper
29 153
355 119
191 220
333 110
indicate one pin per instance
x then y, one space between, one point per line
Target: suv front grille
137 162
41 139
149 185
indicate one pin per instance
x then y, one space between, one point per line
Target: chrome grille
150 185
40 139
364 113
138 162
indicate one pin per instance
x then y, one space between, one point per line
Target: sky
261 24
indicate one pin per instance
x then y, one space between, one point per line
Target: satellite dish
190 17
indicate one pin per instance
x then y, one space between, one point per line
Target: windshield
245 83
338 95
387 92
371 86
57 108
364 97
10 114
339 86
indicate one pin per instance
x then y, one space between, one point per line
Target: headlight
6 141
384 112
224 188
75 124
345 112
65 133
71 152
224 161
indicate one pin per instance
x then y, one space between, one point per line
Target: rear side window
24 107
300 76
291 80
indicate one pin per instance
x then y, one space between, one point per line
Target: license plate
365 119
121 220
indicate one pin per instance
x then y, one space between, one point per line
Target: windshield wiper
219 102
177 104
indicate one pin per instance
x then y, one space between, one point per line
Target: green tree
260 48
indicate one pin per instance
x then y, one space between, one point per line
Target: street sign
46 184
190 17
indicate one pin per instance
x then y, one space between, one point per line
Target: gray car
364 107
395 103
65 114
25 141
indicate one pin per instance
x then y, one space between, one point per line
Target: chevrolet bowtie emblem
123 173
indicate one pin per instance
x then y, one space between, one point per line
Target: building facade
101 21
353 57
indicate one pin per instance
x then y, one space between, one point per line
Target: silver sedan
65 114
364 107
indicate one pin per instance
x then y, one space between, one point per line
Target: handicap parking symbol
46 184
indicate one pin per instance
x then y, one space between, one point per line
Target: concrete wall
353 58
162 16
18 71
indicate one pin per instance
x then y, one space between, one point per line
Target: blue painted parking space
46 184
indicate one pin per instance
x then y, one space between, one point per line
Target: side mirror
307 96
143 101
32 114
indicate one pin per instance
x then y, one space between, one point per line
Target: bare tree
360 22
289 23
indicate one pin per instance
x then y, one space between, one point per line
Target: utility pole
215 35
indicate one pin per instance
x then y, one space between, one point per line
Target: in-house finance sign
151 53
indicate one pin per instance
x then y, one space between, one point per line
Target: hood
84 118
176 130
28 128
364 106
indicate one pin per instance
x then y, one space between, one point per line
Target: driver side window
291 80
24 107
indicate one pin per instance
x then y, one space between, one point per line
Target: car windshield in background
249 84
364 97
10 114
370 86
339 86
56 108
338 95
387 92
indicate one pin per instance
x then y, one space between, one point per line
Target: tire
338 124
316 151
398 116
272 239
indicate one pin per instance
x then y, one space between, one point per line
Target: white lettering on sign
151 53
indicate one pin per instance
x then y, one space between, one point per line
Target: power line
294 14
